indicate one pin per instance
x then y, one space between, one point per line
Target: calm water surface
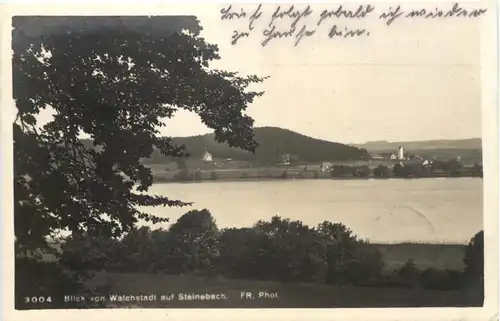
396 210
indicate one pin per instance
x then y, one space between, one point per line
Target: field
273 295
290 295
296 295
243 170
441 256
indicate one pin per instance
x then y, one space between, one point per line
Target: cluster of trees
360 171
118 88
350 171
184 175
277 250
432 278
451 167
455 168
410 169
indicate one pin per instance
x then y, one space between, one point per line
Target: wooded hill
273 143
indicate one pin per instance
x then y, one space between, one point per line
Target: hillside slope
273 143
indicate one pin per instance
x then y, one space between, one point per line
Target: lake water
387 211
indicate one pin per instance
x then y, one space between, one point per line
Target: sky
414 80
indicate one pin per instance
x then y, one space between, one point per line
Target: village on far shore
397 164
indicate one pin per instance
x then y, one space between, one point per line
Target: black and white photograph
251 156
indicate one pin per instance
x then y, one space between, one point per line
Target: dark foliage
115 79
382 171
398 170
243 254
415 169
362 171
474 257
435 279
192 242
342 171
477 170
278 250
292 250
273 144
42 279
409 275
284 250
453 166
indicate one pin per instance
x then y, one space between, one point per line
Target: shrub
399 170
192 242
381 171
84 253
242 253
415 170
342 171
365 265
292 250
349 260
158 244
362 171
435 279
275 250
135 251
409 274
474 258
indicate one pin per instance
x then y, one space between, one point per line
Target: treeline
409 170
450 168
278 250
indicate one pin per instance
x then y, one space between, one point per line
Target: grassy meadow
288 295
298 295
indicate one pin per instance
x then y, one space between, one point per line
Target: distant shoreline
160 180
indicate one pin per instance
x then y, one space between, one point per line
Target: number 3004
37 299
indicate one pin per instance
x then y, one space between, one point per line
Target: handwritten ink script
299 22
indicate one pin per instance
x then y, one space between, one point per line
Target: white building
287 158
207 157
400 153
326 166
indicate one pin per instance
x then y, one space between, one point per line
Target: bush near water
278 250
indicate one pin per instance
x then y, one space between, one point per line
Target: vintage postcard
325 160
